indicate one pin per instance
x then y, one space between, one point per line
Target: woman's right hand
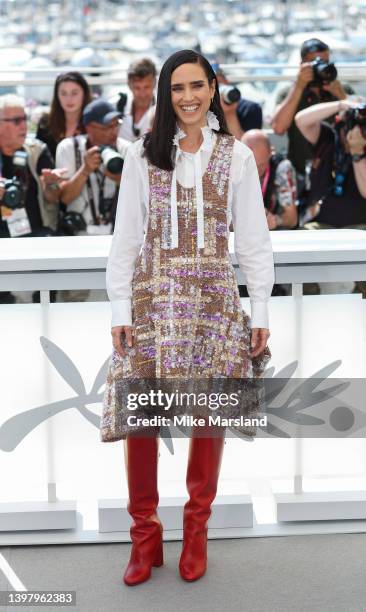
120 332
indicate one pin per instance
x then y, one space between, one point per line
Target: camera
323 72
229 93
14 188
111 159
70 223
106 208
13 196
355 116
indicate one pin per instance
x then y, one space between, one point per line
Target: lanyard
100 180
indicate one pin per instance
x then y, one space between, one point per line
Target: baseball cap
100 111
311 46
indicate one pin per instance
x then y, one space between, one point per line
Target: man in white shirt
141 77
90 189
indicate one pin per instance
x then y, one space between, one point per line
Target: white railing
117 75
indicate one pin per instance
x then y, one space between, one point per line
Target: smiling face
71 97
191 95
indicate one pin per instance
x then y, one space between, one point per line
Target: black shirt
31 197
249 115
339 211
299 149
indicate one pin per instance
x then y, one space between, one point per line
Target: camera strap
341 164
100 181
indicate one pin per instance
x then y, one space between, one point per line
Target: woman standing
176 310
71 94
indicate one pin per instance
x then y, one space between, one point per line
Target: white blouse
252 243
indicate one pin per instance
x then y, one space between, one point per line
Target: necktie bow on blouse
206 146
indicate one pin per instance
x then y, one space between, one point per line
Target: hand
92 160
347 103
117 333
259 339
336 89
229 109
2 190
51 177
289 216
305 75
114 177
356 141
271 220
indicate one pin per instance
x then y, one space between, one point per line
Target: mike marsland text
188 420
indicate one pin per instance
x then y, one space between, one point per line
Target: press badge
99 230
18 221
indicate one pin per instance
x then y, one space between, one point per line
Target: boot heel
159 560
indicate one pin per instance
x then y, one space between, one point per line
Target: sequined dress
187 315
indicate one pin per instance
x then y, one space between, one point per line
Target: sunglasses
16 120
108 126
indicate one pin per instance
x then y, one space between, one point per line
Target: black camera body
355 116
14 192
14 187
70 223
323 72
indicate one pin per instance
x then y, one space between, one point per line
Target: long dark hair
158 143
56 117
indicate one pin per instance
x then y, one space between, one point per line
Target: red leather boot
204 462
141 459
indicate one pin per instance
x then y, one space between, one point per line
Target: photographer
337 197
93 163
241 114
278 181
316 82
29 185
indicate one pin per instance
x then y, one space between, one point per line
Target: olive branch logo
15 429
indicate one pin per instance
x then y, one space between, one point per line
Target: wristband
358 156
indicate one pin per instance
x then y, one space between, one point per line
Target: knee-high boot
204 462
141 460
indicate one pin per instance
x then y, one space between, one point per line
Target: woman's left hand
259 339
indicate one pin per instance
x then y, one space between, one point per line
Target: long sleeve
252 242
127 238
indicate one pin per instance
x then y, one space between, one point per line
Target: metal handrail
116 67
353 72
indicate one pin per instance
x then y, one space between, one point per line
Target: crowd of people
65 180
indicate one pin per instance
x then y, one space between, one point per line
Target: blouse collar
207 133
